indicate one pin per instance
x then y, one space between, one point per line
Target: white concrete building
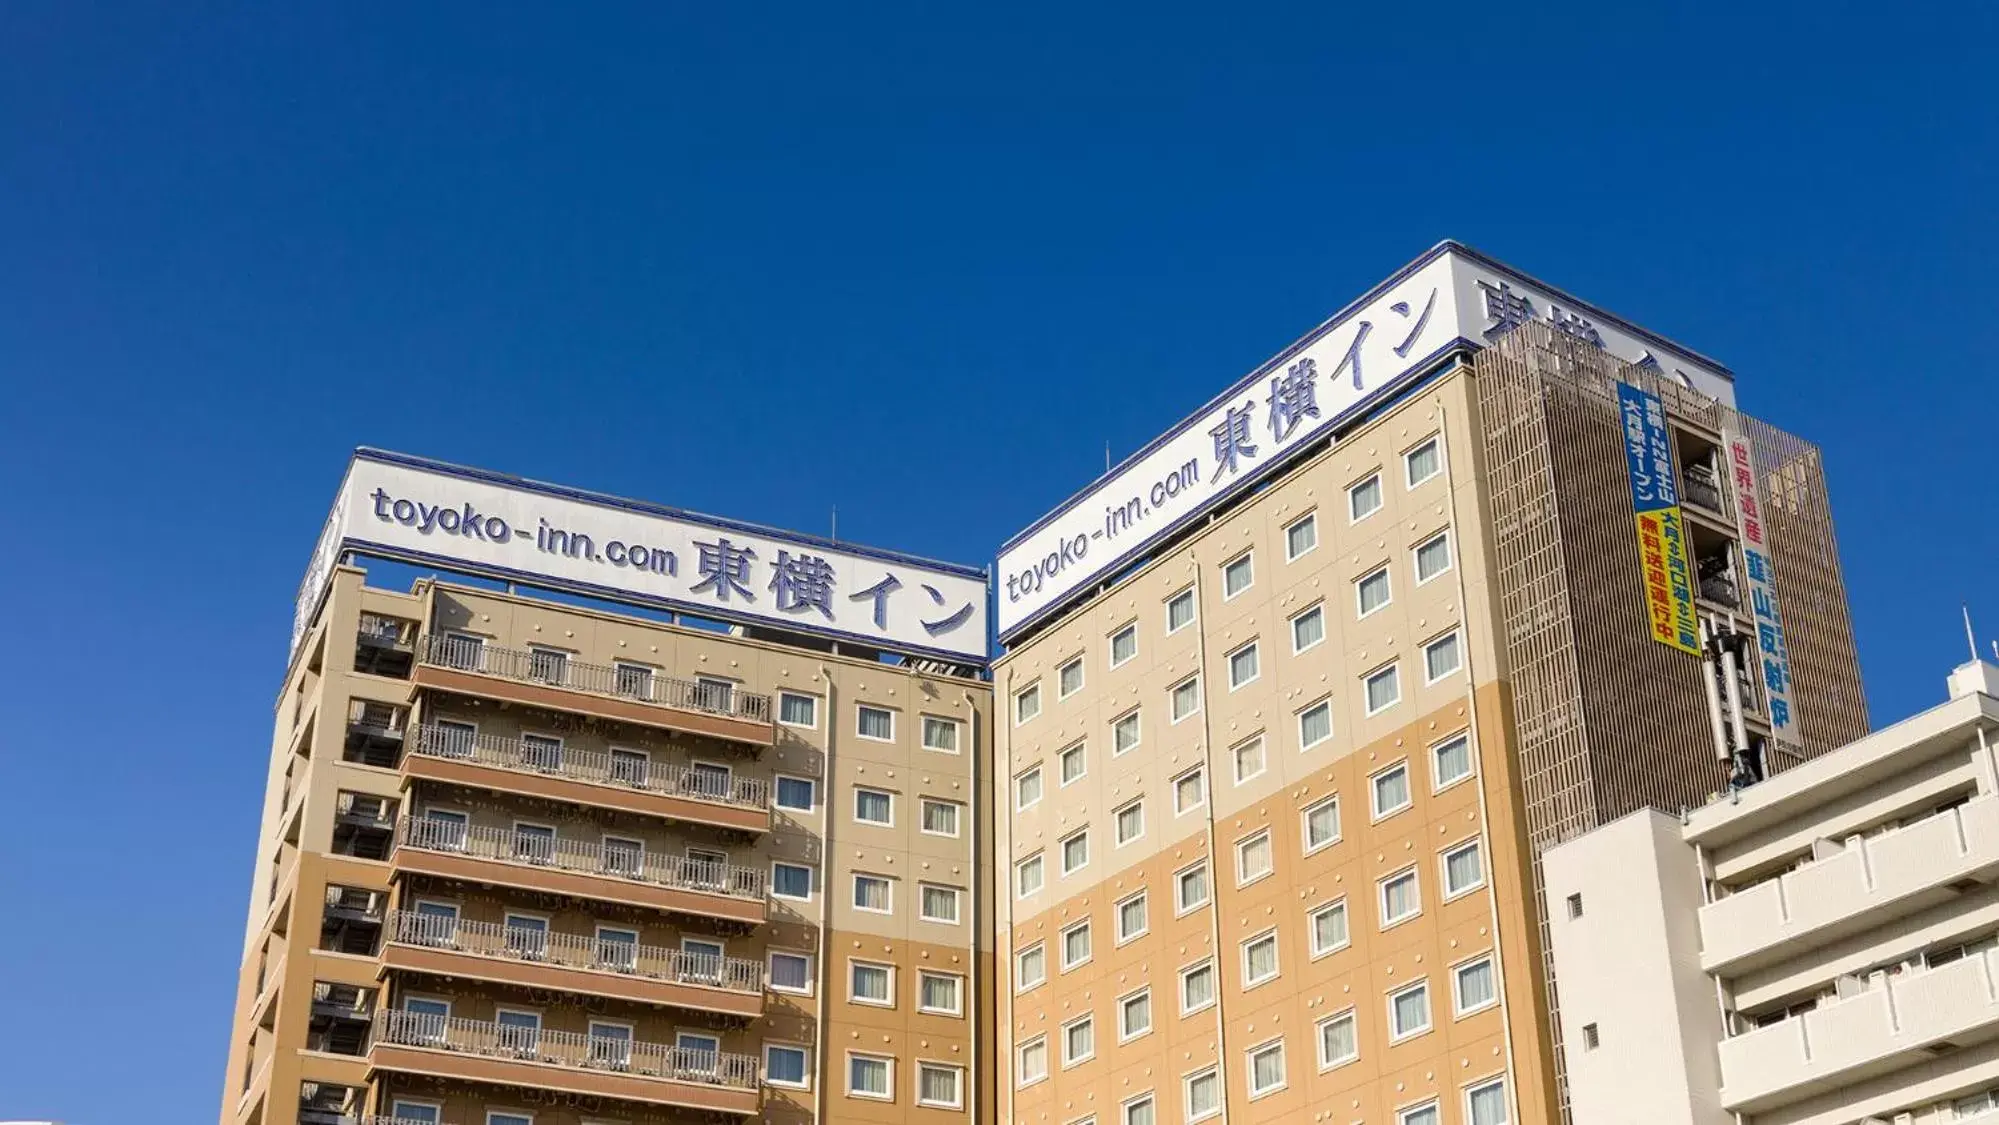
1821 948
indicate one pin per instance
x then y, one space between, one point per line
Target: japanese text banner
1655 496
1774 659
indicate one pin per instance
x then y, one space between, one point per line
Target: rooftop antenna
1970 638
835 536
1107 455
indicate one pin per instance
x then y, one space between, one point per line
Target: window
873 893
1592 1039
1242 666
1391 790
1204 1094
633 767
796 793
1075 945
872 984
1131 917
1027 875
1401 898
1079 1041
1266 1068
1075 762
1259 959
868 1076
1190 887
1442 657
1328 926
1486 1104
940 993
1026 703
1134 1014
940 735
1124 645
1338 1043
1197 987
715 694
795 710
939 904
877 723
1364 499
874 806
1139 1110
1249 759
1451 760
418 1113
1301 537
940 1085
1308 629
784 1065
1575 906
1027 788
790 972
1186 698
1371 592
1433 557
1189 790
1238 574
791 880
1315 724
549 665
1473 984
1179 611
1322 824
1384 689
1031 1061
1076 852
630 679
940 818
1124 733
1252 858
1130 822
1425 1114
1423 462
1069 679
1030 967
1464 869
1409 1011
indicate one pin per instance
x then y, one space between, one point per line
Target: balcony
1698 484
728 986
626 695
548 769
554 865
653 1073
374 733
384 646
1871 879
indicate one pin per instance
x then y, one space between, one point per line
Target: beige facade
530 862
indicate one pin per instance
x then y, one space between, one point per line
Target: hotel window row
874 723
874 983
937 1086
936 902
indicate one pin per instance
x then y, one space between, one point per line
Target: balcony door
534 843
426 1020
527 936
415 1113
708 870
434 924
618 949
450 739
611 1044
697 1052
445 829
701 960
631 767
623 856
519 1032
712 780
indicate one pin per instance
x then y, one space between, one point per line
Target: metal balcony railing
566 1049
537 850
528 756
556 670
485 939
377 629
1702 489
1721 588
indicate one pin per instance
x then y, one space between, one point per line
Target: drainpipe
972 1098
1003 907
823 1084
1214 858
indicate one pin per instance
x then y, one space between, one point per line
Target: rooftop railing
528 755
614 861
556 669
566 1049
570 951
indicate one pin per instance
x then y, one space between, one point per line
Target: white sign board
1773 655
622 550
1450 300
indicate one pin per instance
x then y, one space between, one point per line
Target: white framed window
1383 687
1326 927
1371 592
1315 724
1075 945
938 903
1301 536
1030 1063
1308 629
791 880
940 1085
1069 677
1186 698
940 994
1259 959
1401 898
876 724
1450 760
1190 790
1473 986
1079 1041
1030 967
1190 887
1124 732
1423 462
1442 657
1131 917
1197 987
1464 869
1075 852
1138 1111
1266 1068
1027 703
870 1076
786 1064
1391 790
1238 574
1252 858
1124 645
1433 557
940 734
1130 821
939 817
549 665
426 1113
1409 1011
1134 1014
1179 611
1243 666
796 709
1425 1114
1322 824
1204 1094
874 894
1027 789
1364 498
1075 762
1028 875
797 794
1485 1103
871 983
1339 1040
1250 759
789 971
874 806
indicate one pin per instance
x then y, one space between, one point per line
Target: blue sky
917 262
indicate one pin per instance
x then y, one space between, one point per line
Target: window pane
1391 790
877 723
1242 666
1237 576
940 993
1034 1060
786 1065
1079 1040
1337 1041
1488 1104
939 1085
1433 558
1072 677
1329 928
1138 1113
1130 822
1204 1094
1301 537
797 710
1373 592
869 1076
1398 897
1193 887
1028 874
1186 699
1423 463
1075 945
1136 1014
1260 958
1315 725
1267 1068
790 971
940 734
1124 733
1075 852
1440 658
1364 498
1187 793
1027 788
940 817
940 904
1249 760
1197 987
1384 688
1027 704
870 892
790 880
1075 761
1411 1010
1322 824
1475 985
871 983
1253 858
1033 967
794 793
1463 869
1180 611
1124 644
1308 629
1421 1115
872 806
1131 917
1453 760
